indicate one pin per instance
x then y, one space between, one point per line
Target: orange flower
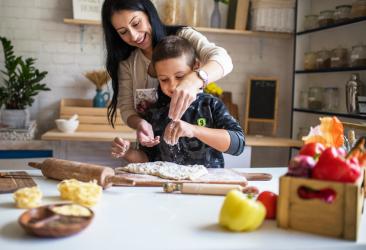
329 133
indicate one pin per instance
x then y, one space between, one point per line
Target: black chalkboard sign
261 101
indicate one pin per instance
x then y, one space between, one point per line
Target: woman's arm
215 62
207 52
125 97
122 149
187 90
144 131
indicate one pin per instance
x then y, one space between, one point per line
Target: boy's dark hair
173 47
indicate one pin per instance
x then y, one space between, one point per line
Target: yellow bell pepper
239 213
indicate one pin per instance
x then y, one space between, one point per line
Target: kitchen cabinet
336 35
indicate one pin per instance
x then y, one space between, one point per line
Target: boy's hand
145 134
119 147
176 129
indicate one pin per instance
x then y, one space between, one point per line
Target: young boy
206 128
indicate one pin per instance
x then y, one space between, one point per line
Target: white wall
37 30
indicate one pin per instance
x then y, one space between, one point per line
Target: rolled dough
166 170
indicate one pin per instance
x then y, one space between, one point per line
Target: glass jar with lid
311 22
358 56
358 9
342 13
315 98
172 12
331 99
326 18
310 60
339 57
323 59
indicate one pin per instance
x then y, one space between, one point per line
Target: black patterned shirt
207 111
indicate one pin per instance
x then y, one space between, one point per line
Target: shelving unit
351 21
344 34
201 29
319 112
343 69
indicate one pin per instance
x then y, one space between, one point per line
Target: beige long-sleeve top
132 72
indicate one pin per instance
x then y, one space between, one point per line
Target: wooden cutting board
10 184
215 175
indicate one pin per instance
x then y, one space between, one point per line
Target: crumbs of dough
166 170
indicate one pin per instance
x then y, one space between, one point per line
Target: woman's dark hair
117 49
173 47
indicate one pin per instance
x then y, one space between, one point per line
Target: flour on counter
166 170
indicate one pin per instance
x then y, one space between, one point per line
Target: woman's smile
134 28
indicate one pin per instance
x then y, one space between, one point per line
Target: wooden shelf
250 140
81 22
267 141
360 126
202 29
55 135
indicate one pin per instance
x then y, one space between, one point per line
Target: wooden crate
339 219
91 119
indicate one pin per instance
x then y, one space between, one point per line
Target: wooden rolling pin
204 188
62 170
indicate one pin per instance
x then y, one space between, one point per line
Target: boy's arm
223 119
227 136
218 139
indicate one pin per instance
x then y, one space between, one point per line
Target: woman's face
134 28
170 73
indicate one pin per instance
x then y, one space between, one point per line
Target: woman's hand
176 129
183 96
119 147
145 134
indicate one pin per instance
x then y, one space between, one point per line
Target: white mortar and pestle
68 125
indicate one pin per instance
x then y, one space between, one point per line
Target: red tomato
313 149
269 200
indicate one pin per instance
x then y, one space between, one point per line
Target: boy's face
170 72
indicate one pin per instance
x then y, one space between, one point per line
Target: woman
185 142
132 28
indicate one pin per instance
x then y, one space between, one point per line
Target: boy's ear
197 64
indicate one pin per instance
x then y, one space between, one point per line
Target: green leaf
21 79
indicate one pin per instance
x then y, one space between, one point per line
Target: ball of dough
27 197
83 193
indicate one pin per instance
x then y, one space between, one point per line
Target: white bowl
67 126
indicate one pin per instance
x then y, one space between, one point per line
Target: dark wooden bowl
43 222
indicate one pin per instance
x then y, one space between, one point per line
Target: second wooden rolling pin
203 188
62 170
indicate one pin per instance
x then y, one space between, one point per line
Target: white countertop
147 218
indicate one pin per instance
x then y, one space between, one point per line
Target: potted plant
21 83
